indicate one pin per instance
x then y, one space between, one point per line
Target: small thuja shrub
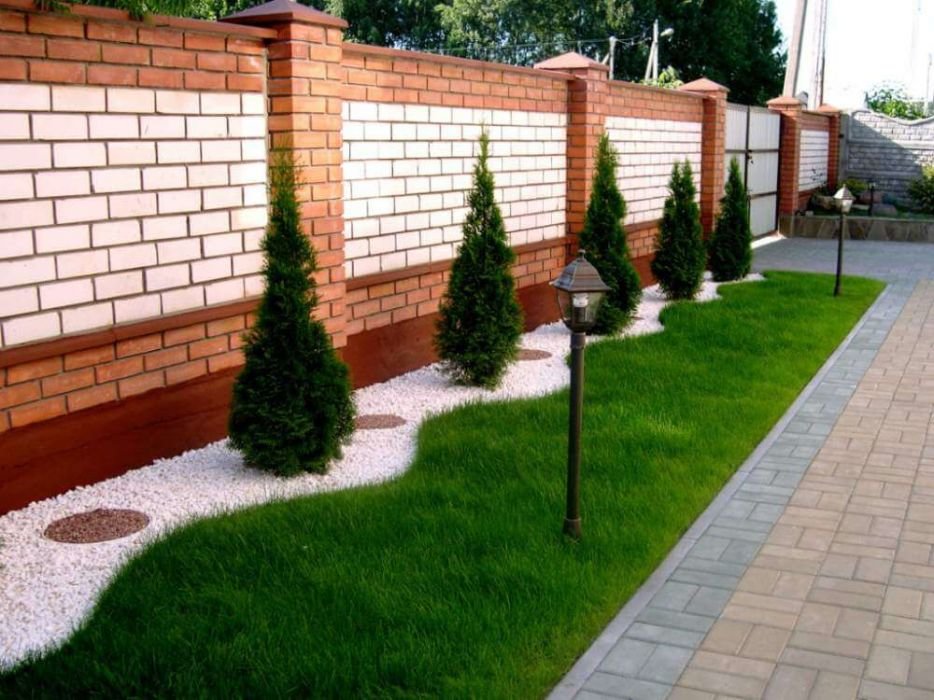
604 240
731 244
481 320
291 403
680 256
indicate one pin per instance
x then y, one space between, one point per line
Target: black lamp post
580 292
872 195
844 201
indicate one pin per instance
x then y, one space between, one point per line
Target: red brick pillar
304 86
713 148
789 157
587 108
833 140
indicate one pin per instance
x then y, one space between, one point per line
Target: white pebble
48 588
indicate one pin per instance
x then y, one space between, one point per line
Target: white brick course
407 169
648 148
114 200
812 168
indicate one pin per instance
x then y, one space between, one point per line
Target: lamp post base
572 528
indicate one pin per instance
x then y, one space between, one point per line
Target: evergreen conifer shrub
731 244
292 406
680 257
481 320
604 240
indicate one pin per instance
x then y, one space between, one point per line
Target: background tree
892 100
731 243
734 42
604 240
291 402
679 261
481 320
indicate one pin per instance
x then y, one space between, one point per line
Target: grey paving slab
668 618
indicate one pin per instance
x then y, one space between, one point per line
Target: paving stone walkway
812 573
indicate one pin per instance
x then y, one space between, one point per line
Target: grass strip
455 580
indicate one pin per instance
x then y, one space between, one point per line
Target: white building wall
408 168
648 148
121 204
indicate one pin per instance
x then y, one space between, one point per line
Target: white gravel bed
47 589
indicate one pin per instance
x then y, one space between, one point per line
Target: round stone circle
379 421
100 525
529 355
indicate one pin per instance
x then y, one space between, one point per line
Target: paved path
811 575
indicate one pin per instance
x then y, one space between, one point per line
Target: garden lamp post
872 195
580 292
844 201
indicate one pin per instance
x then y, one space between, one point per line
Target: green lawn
455 580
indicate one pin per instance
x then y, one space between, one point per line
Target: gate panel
752 137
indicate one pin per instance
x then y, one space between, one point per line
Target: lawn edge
586 664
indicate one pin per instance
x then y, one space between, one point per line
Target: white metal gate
752 137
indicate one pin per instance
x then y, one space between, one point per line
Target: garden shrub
291 403
680 256
604 240
481 320
731 245
922 190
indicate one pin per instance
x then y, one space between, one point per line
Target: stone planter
860 228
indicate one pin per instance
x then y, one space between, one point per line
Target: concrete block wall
889 151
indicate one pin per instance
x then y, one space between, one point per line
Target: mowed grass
455 580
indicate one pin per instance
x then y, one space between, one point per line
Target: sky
868 42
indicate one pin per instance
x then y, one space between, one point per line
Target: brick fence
133 203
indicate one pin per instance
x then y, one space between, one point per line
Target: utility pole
794 50
612 57
820 45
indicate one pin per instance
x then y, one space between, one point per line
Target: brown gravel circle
99 525
528 355
379 421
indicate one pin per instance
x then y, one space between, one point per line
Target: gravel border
47 589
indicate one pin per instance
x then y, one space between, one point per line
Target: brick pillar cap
280 11
786 102
571 60
829 109
703 85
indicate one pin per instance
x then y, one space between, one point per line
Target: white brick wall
407 169
812 168
648 148
120 204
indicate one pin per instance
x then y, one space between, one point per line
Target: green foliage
892 100
667 78
291 403
481 320
854 185
679 260
922 190
454 581
731 244
604 240
711 38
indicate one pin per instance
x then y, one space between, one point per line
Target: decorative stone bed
47 587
